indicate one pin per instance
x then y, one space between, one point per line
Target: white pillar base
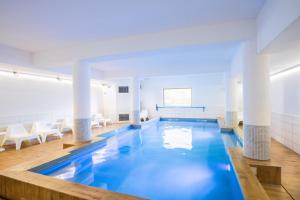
136 117
82 130
136 101
257 142
231 119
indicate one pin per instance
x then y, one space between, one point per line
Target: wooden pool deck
33 151
289 161
18 183
13 163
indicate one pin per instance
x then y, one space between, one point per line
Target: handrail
161 107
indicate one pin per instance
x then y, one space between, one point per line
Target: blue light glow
173 160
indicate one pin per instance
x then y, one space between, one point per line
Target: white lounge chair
17 133
43 129
95 123
99 119
2 135
144 115
66 125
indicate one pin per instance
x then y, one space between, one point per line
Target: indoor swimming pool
166 160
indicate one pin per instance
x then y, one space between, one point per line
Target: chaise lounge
17 133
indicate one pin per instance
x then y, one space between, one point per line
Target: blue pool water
168 160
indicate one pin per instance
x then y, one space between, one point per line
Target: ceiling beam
200 35
275 17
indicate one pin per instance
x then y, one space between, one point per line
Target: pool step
268 174
223 127
251 187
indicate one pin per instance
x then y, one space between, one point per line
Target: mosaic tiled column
257 145
231 118
256 98
136 100
81 102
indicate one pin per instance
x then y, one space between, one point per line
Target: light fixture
6 73
16 74
42 77
285 72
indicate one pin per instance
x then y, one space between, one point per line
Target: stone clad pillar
82 102
231 115
256 98
136 94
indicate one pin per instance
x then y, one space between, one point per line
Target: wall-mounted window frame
186 102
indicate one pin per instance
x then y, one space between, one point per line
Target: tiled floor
33 150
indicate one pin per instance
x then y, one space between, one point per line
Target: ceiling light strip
58 78
285 71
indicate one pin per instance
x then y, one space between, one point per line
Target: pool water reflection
170 160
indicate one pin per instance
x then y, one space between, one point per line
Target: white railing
189 112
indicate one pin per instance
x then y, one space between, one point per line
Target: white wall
110 102
236 72
207 90
25 100
117 103
124 100
286 94
285 97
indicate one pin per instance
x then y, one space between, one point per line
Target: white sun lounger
65 125
43 129
17 133
99 119
144 115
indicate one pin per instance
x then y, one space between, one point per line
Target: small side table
1 135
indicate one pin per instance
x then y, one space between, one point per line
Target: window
177 97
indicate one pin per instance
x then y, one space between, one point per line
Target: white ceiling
185 60
287 39
37 25
284 50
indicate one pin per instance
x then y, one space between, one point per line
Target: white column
256 98
136 100
82 102
231 115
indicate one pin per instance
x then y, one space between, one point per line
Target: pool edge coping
14 180
65 152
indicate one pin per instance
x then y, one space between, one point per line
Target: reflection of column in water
204 125
86 171
158 127
140 136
